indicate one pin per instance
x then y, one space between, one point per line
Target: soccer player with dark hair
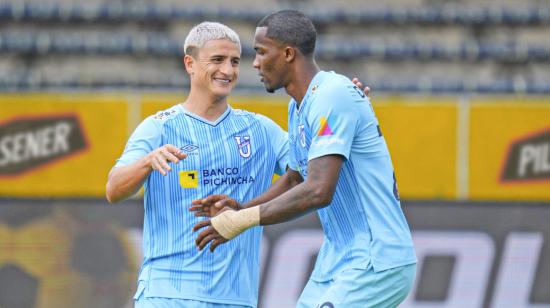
340 167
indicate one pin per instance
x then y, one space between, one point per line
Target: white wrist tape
232 223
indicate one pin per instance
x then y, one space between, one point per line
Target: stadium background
461 88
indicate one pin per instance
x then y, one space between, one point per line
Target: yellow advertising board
421 136
63 145
59 145
510 149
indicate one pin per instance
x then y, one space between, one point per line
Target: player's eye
259 51
236 62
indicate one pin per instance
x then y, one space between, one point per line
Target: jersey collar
313 85
199 118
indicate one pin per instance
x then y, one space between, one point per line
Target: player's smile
223 80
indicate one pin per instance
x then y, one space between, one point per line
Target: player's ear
188 61
290 54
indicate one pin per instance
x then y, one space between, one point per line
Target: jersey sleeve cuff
314 155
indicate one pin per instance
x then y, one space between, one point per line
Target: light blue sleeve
333 119
292 161
278 139
145 138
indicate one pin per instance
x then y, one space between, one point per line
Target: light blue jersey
236 155
364 223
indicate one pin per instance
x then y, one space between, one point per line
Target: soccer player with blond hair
191 150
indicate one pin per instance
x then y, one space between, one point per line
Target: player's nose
227 68
256 63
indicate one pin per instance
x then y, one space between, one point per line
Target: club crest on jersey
302 132
243 143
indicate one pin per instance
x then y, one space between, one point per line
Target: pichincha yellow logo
189 179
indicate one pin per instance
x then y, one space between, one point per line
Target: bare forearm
296 202
125 181
313 194
284 183
316 192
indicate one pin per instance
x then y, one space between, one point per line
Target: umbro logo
189 148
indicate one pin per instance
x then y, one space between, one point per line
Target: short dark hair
291 27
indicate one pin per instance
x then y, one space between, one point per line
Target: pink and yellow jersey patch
324 129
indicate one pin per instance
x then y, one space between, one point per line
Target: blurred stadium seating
413 46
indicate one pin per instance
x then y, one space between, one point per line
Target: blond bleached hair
208 31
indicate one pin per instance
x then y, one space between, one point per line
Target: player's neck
302 75
205 106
